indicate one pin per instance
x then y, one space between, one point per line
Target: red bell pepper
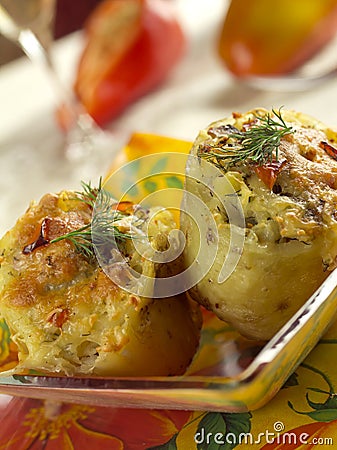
132 46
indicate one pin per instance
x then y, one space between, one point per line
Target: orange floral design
60 431
137 428
28 424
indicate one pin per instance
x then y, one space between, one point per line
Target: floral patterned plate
229 373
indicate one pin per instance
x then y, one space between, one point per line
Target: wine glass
29 24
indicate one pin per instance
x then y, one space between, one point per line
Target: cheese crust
67 316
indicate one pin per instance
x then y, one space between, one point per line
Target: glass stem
38 52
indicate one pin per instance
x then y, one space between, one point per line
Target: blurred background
212 58
70 16
170 68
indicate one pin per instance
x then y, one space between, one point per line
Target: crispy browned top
45 269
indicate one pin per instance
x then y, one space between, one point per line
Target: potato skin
66 316
290 240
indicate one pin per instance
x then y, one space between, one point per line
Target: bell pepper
132 45
264 37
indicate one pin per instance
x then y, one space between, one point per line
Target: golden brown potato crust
67 316
290 225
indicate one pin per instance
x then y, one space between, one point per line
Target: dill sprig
102 230
258 144
89 194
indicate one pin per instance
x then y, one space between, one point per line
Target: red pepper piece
59 317
124 206
329 149
50 228
269 172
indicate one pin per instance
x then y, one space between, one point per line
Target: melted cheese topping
67 316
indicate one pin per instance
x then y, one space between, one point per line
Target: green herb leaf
102 230
258 144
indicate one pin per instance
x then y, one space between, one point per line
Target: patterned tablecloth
303 414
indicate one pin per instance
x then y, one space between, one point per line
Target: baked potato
288 200
67 316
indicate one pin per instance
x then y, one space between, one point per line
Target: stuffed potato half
67 316
290 222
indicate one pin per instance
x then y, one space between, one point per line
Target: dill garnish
102 230
258 144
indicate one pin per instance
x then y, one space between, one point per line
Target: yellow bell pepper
265 37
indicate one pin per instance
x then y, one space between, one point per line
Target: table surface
198 92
